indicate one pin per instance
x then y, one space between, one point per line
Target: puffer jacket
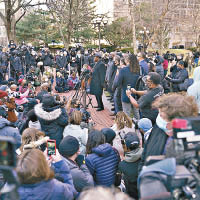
103 164
51 189
52 120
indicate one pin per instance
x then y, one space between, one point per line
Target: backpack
141 84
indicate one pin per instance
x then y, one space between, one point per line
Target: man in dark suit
98 79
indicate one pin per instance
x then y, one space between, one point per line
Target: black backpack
141 84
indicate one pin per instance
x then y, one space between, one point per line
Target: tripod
82 95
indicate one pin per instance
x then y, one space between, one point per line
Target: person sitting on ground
102 159
52 117
129 165
30 135
6 127
74 129
123 125
170 106
37 179
44 90
145 127
109 135
147 97
69 149
72 81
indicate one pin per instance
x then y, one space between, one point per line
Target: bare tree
70 14
13 12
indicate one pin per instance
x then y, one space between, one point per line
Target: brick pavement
102 118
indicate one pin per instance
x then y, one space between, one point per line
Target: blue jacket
103 164
124 78
144 67
52 121
51 189
7 130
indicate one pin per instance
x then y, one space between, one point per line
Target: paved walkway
102 118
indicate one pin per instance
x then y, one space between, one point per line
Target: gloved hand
80 160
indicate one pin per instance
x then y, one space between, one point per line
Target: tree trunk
133 26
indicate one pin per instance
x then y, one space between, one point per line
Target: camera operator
179 77
170 106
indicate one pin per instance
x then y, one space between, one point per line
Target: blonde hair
75 117
122 120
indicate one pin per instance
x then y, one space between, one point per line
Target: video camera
7 165
183 180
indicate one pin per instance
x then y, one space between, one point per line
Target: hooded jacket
52 120
129 168
7 130
194 89
51 189
103 164
80 134
81 175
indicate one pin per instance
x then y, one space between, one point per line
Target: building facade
180 17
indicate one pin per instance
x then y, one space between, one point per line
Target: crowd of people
147 92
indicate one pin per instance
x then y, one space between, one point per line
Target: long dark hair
95 139
133 64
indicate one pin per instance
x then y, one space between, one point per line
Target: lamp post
100 22
144 33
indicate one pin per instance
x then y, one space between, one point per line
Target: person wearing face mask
147 97
170 106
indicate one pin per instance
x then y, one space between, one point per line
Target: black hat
109 134
132 140
68 146
48 101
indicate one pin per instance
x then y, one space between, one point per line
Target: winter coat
61 61
7 130
17 64
51 189
160 70
129 168
53 121
81 175
98 79
41 94
80 134
48 60
155 145
124 78
103 163
144 67
194 89
178 79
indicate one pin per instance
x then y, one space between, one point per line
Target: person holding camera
37 178
128 167
147 97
